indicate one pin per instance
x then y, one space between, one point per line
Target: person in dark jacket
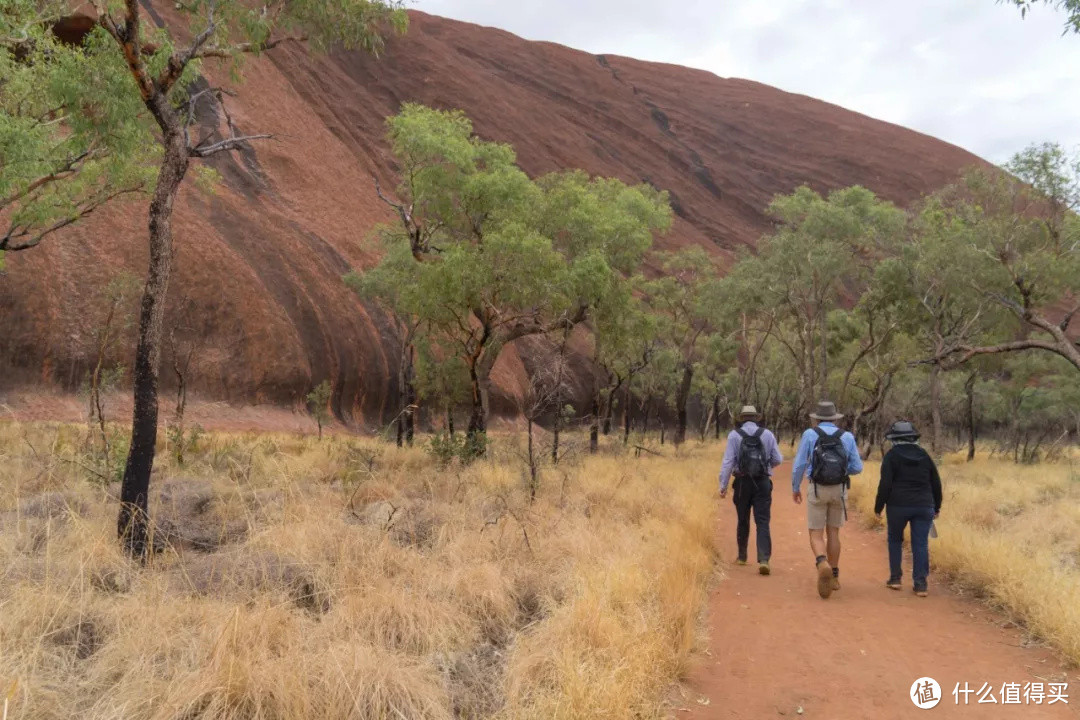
910 491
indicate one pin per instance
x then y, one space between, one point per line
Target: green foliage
484 255
74 128
461 447
1071 8
184 440
442 380
683 300
824 247
73 134
318 401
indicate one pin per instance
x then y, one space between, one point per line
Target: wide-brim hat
749 411
902 430
826 411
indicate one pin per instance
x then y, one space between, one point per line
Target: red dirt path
774 646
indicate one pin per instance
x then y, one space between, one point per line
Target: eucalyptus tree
603 228
823 249
1023 245
149 96
680 298
499 256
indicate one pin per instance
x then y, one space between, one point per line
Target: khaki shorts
825 505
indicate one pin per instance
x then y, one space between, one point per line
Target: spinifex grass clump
348 578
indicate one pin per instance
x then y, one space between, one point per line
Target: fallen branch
638 449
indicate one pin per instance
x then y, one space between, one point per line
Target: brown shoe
920 592
824 580
893 585
835 584
763 568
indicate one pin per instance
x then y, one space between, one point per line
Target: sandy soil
776 649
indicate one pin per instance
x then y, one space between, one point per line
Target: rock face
259 261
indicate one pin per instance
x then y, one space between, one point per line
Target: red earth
259 262
776 650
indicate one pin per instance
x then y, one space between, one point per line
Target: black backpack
830 461
753 461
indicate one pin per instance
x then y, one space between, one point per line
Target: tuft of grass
350 579
1011 534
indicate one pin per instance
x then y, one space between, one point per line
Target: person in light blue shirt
828 457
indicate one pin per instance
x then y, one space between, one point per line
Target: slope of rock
259 261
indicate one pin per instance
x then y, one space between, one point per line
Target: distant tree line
956 312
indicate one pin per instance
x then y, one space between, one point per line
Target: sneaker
763 568
893 584
740 561
920 591
835 584
824 579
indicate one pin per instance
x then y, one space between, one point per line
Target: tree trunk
935 409
556 427
132 523
533 480
450 420
716 413
825 355
476 434
594 424
626 418
681 397
969 388
410 397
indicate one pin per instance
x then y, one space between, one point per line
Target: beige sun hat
825 411
749 411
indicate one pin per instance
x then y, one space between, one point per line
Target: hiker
751 453
909 492
829 457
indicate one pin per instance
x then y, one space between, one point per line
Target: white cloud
968 71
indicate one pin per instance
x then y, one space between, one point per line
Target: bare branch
178 62
247 47
8 241
71 167
227 144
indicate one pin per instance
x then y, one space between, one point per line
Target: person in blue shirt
828 456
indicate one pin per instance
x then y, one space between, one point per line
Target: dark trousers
920 519
750 495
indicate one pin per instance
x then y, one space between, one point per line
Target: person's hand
877 515
797 497
937 513
723 493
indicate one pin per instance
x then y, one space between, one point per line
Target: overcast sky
967 71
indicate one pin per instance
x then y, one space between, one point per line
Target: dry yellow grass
1011 533
438 593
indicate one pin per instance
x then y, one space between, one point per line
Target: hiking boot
920 591
824 579
740 561
893 584
763 568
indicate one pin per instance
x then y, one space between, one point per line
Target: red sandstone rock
261 260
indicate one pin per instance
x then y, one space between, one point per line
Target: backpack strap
821 433
759 432
742 433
